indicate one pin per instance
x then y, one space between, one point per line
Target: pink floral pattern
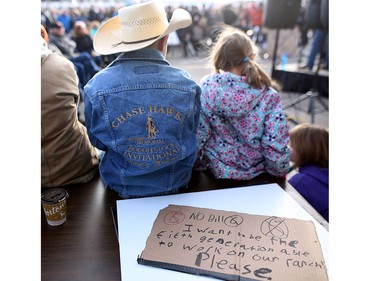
242 131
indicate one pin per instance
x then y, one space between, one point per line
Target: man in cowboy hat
140 110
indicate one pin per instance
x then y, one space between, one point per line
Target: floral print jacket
242 131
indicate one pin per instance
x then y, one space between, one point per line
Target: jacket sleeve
203 135
89 123
275 139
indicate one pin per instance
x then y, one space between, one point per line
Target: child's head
235 48
309 145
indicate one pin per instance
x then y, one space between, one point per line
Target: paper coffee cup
54 205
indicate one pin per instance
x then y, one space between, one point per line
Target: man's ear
164 41
162 45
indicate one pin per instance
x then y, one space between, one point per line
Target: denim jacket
144 114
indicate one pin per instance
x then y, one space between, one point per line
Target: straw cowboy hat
138 26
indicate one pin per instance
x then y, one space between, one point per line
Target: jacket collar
143 54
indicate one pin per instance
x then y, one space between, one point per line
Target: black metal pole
275 52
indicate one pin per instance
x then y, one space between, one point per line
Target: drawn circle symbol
233 221
275 227
174 217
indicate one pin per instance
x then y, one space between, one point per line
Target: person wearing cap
84 62
142 112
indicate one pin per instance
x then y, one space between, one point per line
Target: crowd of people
150 123
206 21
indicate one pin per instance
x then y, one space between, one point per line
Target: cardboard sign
234 246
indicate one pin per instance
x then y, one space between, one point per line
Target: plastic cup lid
53 196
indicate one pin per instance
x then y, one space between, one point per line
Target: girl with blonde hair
242 130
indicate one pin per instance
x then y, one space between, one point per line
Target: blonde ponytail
255 75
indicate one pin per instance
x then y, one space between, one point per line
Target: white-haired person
140 110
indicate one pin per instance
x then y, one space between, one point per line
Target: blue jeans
90 68
316 47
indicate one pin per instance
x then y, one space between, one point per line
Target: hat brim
108 36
